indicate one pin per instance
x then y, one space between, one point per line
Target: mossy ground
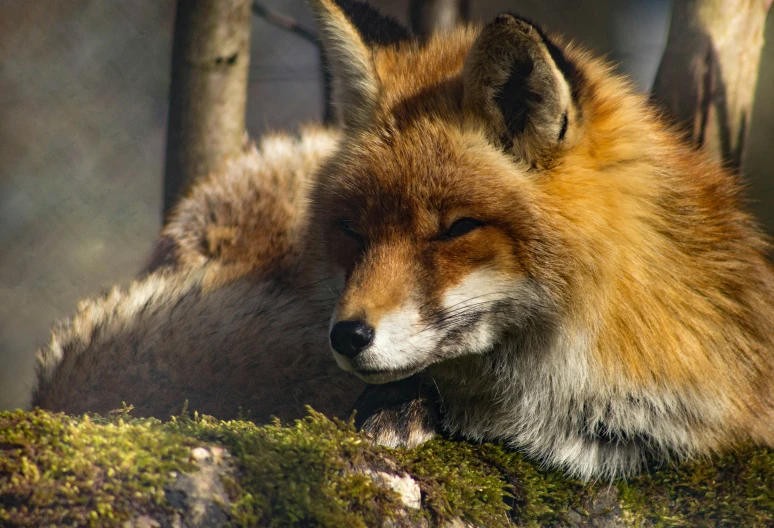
298 475
57 470
736 489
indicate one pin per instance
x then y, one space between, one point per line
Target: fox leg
403 413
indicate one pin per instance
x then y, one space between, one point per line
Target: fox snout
377 340
349 338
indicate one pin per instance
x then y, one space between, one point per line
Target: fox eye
461 227
346 227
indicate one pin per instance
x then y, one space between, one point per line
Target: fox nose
349 338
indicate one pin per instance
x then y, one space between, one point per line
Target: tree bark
428 16
208 93
707 77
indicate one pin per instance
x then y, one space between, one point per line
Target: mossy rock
57 470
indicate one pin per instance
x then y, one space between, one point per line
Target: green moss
736 489
57 470
456 482
541 497
489 485
61 471
298 475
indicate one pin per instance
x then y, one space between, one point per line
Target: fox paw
404 413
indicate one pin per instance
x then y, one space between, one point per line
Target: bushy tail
172 337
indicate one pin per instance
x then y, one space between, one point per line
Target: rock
201 495
405 486
143 521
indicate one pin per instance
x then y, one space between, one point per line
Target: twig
308 34
285 22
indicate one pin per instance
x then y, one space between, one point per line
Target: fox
508 217
503 241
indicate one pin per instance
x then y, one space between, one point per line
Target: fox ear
524 89
348 31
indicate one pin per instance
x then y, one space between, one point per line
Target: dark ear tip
515 21
504 18
374 27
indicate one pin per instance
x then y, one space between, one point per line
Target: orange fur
606 299
646 265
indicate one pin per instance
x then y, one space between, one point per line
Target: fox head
428 217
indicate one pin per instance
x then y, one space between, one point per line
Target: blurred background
83 103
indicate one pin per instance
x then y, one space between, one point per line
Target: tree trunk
208 93
428 16
709 70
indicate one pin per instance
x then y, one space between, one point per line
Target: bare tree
208 93
709 71
427 16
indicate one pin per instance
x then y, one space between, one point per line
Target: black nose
349 338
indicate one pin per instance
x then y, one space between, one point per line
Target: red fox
504 220
505 215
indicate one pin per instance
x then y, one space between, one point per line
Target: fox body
212 323
508 217
505 220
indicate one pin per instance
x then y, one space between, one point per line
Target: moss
541 497
57 470
298 475
489 485
61 471
456 482
736 489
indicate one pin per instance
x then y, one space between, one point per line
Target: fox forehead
426 75
423 160
422 178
